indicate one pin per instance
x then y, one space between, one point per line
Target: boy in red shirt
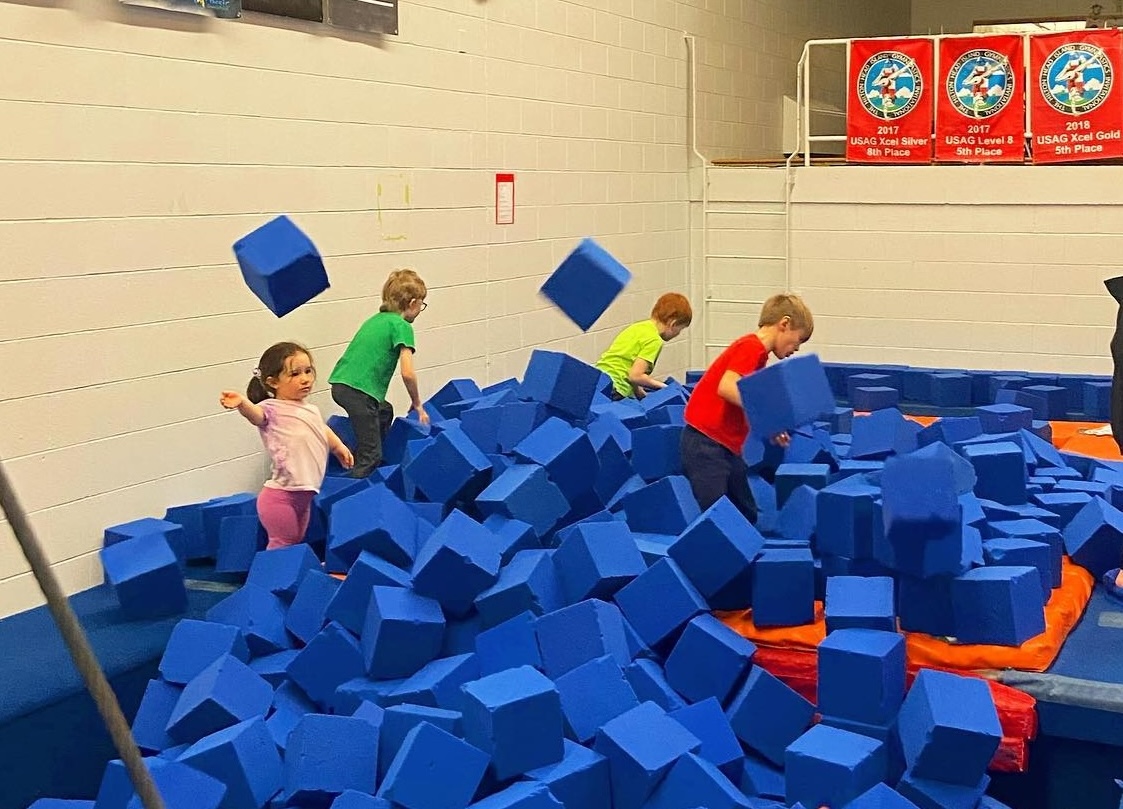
716 427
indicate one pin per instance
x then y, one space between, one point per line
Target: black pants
371 420
715 472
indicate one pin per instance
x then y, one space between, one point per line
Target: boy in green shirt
631 358
362 375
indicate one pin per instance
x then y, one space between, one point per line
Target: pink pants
285 515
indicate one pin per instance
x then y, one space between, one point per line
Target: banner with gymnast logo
980 109
889 109
1076 110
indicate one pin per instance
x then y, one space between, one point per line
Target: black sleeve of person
1115 287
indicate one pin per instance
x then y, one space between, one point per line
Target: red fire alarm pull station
504 199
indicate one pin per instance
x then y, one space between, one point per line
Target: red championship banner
1076 111
980 109
889 110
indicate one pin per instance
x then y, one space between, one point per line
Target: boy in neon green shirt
631 358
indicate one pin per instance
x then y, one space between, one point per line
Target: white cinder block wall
140 144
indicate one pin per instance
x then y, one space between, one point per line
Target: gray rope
79 646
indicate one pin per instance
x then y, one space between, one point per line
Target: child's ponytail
256 390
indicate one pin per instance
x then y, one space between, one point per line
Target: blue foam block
786 395
524 492
950 390
707 721
925 605
716 552
180 785
655 451
592 694
784 588
708 660
650 684
289 704
854 602
874 397
796 520
790 476
586 283
330 659
145 576
949 727
399 720
767 715
529 583
950 430
239 541
565 452
580 780
1004 418
998 605
921 516
280 265
928 793
173 533
579 633
457 563
427 748
373 519
596 559
1015 552
877 435
508 645
449 469
828 766
760 778
280 571
352 799
641 746
515 717
666 506
521 795
1097 400
1001 471
150 725
659 602
328 755
881 796
694 781
224 693
259 614
402 632
844 524
244 758
308 612
274 668
194 645
213 512
1094 537
560 381
866 380
1065 505
349 604
862 675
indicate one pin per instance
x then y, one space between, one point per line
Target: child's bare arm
340 450
639 376
727 388
232 400
409 379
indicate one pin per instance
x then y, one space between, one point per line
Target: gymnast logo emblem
980 83
1076 78
890 85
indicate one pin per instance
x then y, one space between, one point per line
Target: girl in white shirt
295 436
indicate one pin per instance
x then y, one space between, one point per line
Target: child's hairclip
257 373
